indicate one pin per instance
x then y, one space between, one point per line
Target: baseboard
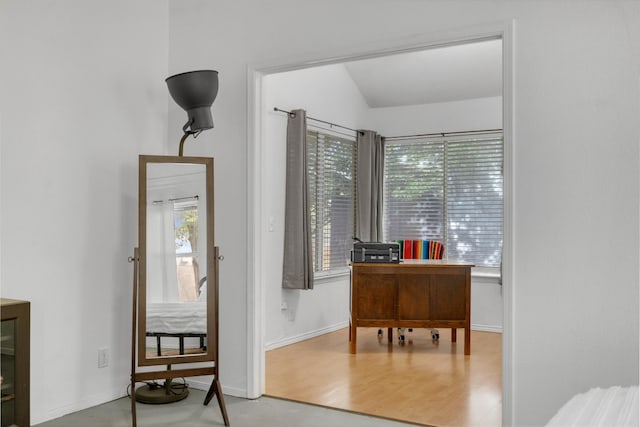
91 401
486 328
305 336
312 334
203 383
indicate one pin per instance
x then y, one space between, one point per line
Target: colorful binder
421 249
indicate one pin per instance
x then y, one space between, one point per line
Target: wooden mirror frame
211 352
139 314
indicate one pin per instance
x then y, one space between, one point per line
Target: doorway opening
277 318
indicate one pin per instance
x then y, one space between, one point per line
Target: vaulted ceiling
444 74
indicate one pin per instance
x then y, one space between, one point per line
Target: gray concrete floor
262 412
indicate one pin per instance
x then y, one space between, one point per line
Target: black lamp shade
195 92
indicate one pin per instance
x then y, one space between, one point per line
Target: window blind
413 194
448 189
331 165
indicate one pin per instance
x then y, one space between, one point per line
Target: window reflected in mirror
185 225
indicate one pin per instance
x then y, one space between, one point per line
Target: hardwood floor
424 382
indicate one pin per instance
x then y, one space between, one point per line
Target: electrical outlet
103 357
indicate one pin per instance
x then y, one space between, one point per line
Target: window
185 225
331 163
447 189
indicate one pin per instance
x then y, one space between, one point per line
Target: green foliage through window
448 189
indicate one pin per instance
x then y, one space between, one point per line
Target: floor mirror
175 283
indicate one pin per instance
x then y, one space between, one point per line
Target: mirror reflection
176 254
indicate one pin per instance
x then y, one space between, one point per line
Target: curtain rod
318 120
443 134
177 199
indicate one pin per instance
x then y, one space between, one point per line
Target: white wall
470 114
327 93
70 138
576 135
82 94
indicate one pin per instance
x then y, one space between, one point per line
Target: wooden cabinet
14 362
412 294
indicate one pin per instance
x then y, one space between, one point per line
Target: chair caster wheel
435 334
379 333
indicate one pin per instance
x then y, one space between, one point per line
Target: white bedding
177 318
614 406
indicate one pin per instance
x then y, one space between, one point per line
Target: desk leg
352 338
467 341
454 335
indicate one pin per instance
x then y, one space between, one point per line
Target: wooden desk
412 294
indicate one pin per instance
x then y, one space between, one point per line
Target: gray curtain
369 186
297 267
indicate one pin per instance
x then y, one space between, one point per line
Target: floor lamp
195 92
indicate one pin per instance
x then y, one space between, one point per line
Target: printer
375 252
